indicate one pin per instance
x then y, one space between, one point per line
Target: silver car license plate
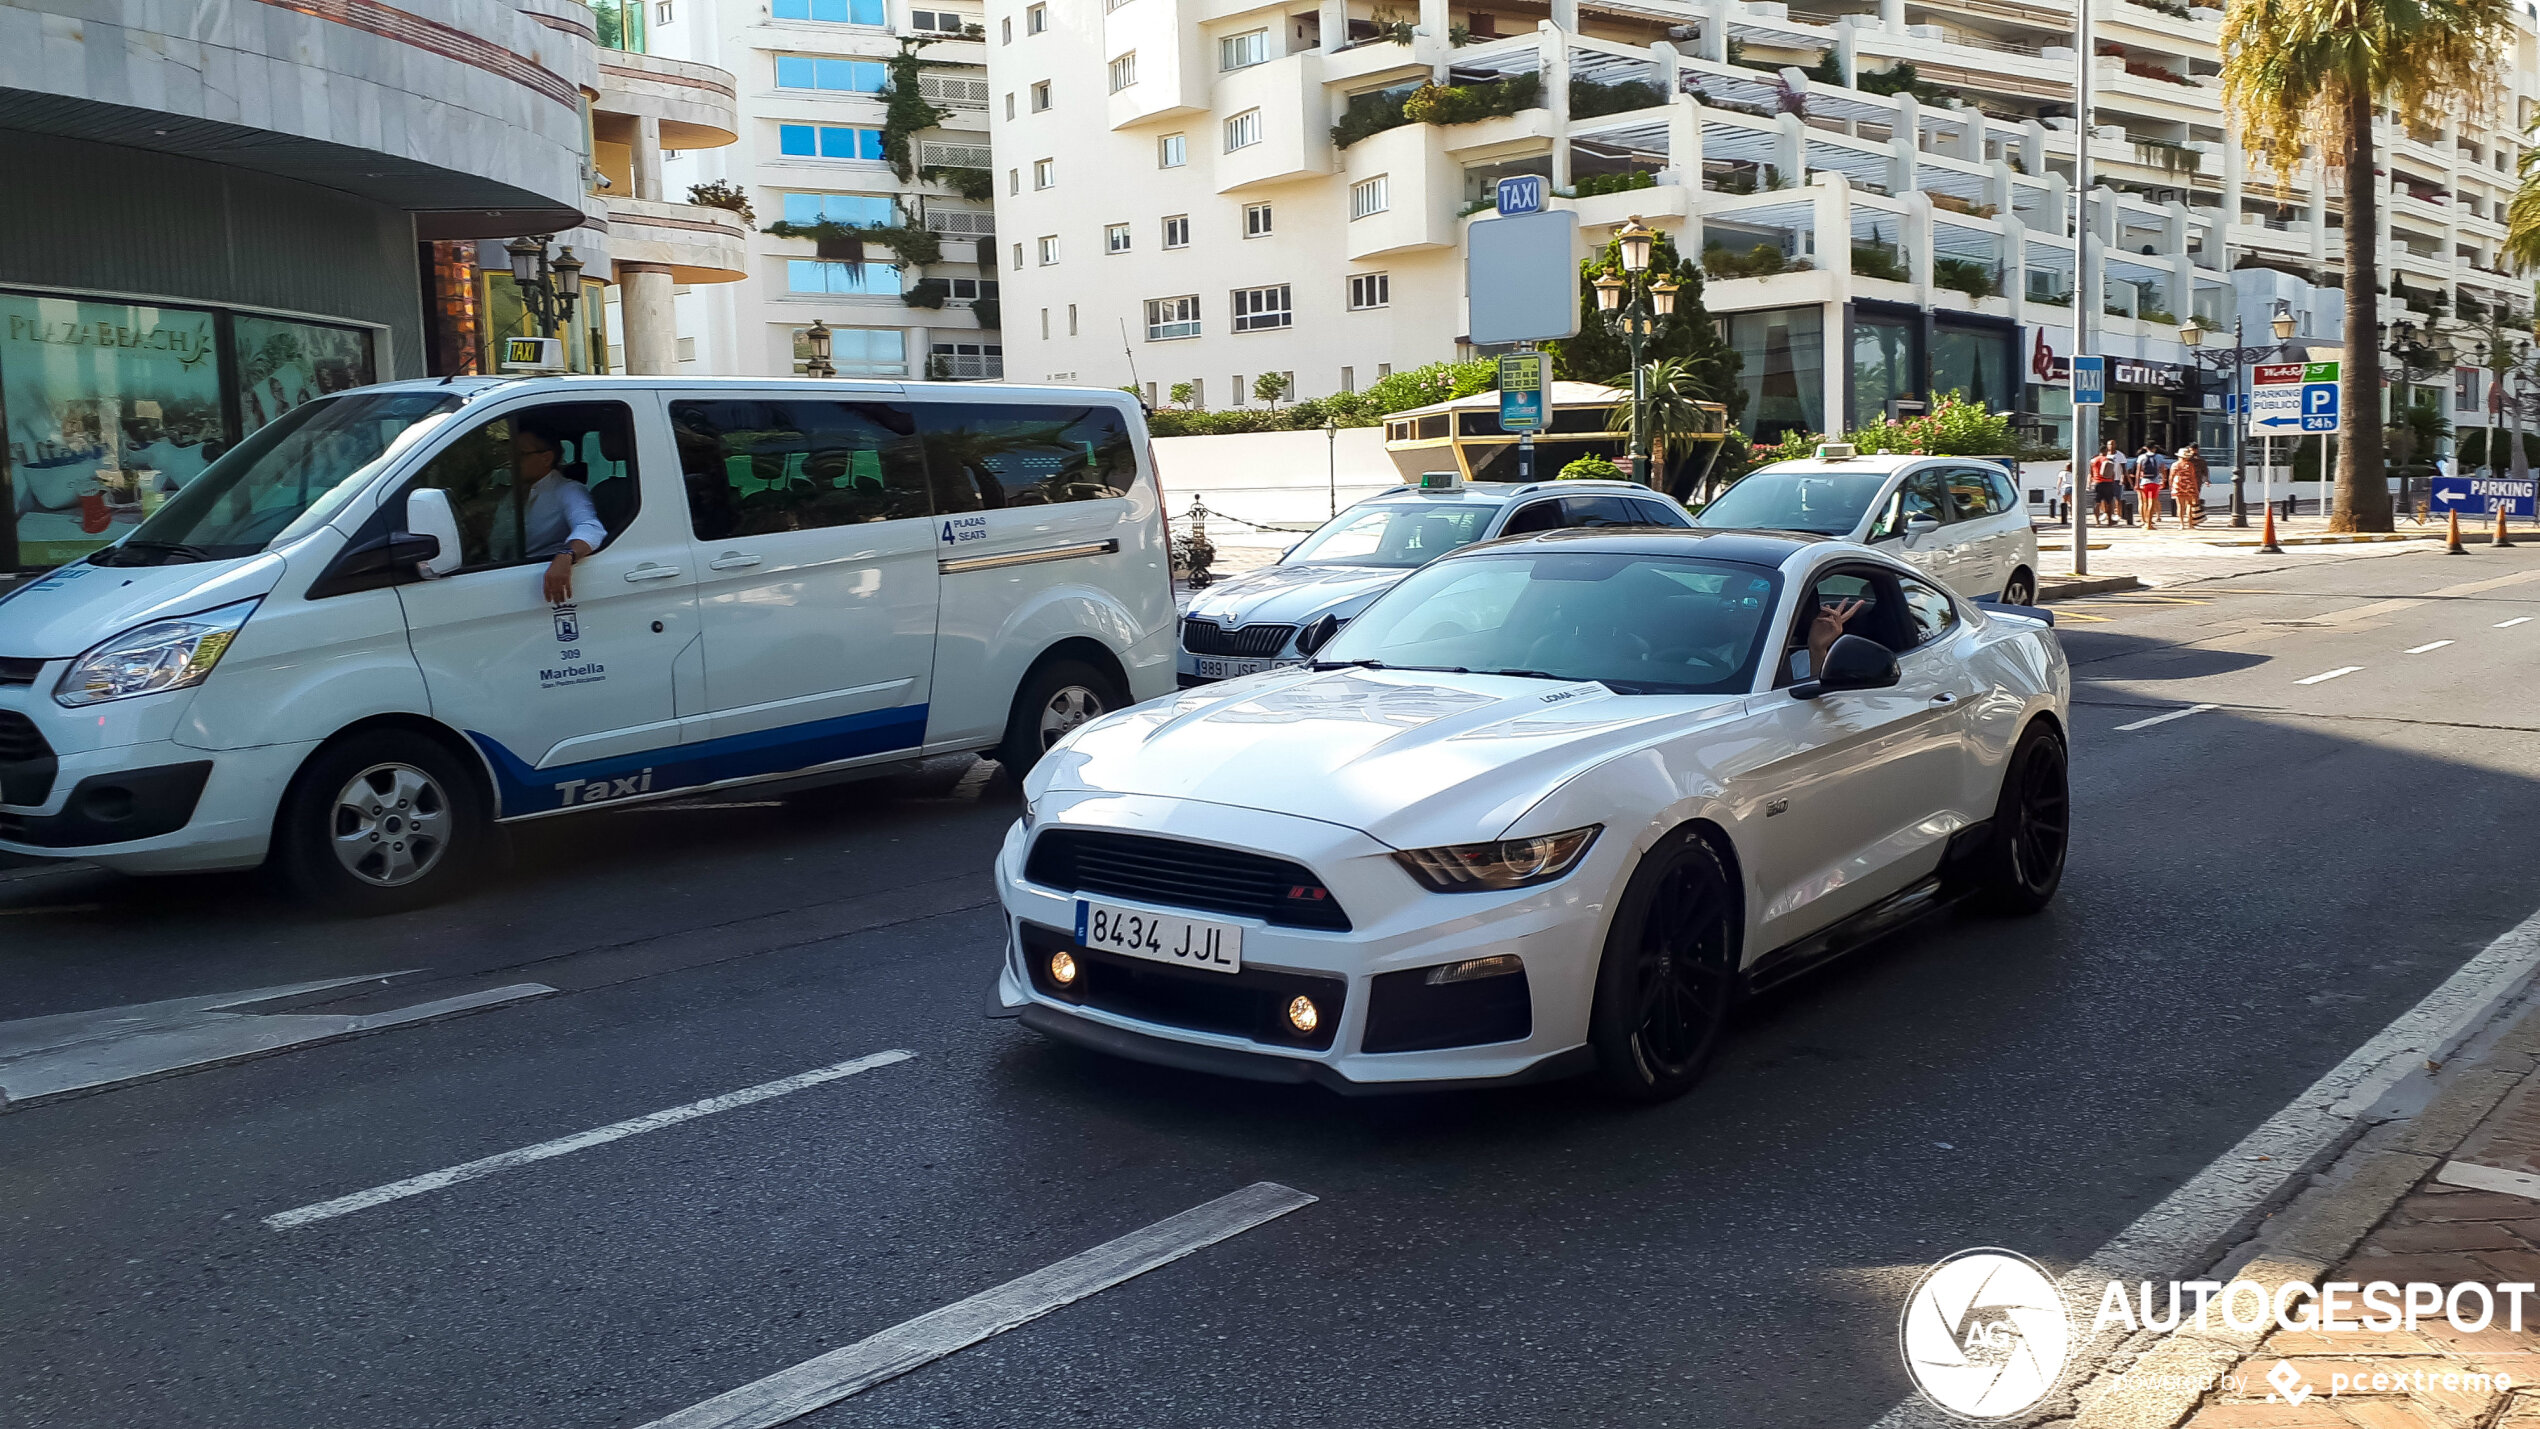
1160 937
1215 669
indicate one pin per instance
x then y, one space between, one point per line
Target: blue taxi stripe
525 789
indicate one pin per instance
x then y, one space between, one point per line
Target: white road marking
2510 624
2331 675
2165 718
823 1381
2489 1178
2430 645
2207 1215
579 1141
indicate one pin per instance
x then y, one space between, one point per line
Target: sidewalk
2444 1207
2170 554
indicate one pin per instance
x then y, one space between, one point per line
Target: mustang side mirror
428 514
1317 635
1855 663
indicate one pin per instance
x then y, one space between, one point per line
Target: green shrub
1588 98
1436 104
1591 468
1759 261
1964 275
1623 182
1872 260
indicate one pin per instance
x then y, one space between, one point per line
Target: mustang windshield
1829 503
302 464
1641 624
1401 534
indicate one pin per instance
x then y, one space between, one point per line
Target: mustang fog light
1303 1015
1501 864
1063 968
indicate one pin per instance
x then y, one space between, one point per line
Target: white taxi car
1958 520
1274 616
1549 806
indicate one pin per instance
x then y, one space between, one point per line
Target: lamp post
1636 321
2237 360
549 289
2422 352
818 336
1332 465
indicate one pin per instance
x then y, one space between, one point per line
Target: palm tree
1674 412
2522 220
2295 70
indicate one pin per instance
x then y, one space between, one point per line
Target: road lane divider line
579 1141
2165 718
2429 645
912 1344
2211 1212
2510 624
2330 675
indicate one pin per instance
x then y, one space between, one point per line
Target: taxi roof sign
1836 451
1441 480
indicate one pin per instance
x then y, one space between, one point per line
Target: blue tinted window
869 143
868 12
795 139
811 275
792 9
793 72
859 209
836 143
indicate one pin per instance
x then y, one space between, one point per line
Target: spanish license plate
1160 937
1229 669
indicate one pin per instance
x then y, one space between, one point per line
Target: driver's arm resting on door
562 521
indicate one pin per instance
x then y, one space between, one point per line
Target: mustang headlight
147 659
1503 863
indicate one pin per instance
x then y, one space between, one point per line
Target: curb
2312 1235
2088 585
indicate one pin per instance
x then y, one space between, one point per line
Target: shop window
1884 366
1783 369
983 456
531 481
760 468
1975 363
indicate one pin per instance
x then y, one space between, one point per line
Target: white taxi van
337 648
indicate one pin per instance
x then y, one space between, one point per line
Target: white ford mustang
1549 806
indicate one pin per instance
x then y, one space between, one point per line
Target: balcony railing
953 91
963 367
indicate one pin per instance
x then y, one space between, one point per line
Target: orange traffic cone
2452 539
2266 542
2504 536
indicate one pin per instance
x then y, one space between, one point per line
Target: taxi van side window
754 468
987 455
506 479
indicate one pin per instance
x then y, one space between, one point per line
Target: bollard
2266 543
2504 536
2452 539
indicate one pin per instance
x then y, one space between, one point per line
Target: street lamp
549 289
1634 305
1332 464
818 336
2236 360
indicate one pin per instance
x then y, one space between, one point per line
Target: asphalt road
2255 889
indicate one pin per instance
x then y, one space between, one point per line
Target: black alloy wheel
1669 975
2032 825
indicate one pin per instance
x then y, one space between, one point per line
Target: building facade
822 145
1882 192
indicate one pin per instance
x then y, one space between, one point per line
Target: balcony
1171 61
1419 186
697 244
1279 110
697 106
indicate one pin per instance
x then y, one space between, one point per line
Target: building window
813 275
1045 324
836 76
1009 104
971 290
1018 257
1236 384
1369 196
661 14
1036 19
1115 238
968 360
1071 319
1259 309
1243 131
1177 231
1383 370
1256 220
1349 379
1784 373
1124 71
857 351
855 210
1172 151
1005 31
837 12
1049 249
828 141
1242 51
1040 95
1172 317
937 22
1370 290
1044 173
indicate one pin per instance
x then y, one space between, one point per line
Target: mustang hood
71 610
1293 595
1412 758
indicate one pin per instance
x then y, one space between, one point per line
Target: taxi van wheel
1667 982
2021 589
379 823
1055 699
2032 821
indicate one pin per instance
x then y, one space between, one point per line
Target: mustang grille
1259 642
1175 874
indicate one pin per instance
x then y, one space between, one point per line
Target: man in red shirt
2107 481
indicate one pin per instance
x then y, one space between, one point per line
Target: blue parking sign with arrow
2482 495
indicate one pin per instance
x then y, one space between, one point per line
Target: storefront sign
2146 376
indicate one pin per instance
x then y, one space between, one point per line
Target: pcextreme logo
1984 1334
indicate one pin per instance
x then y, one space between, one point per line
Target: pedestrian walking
2151 474
2187 482
2064 496
2107 476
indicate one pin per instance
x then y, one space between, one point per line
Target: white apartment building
812 120
1174 206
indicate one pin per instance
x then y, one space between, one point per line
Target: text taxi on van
401 614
